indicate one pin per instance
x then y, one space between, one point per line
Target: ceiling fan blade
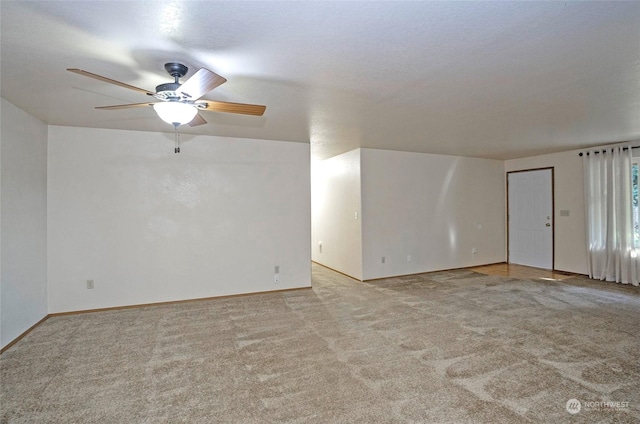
125 106
241 108
200 84
109 80
198 120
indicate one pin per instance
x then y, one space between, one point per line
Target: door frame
553 210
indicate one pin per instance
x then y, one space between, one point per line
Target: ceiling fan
179 104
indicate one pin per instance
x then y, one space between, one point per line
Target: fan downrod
177 71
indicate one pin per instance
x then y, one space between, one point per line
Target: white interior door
531 218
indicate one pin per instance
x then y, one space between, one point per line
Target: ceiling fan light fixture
175 113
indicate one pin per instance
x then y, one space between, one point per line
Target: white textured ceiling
484 79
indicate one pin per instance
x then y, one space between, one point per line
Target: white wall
335 203
570 239
434 208
23 181
148 225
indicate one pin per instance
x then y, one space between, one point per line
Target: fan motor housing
170 86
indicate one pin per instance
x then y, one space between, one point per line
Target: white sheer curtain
609 212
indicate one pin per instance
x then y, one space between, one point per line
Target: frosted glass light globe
175 113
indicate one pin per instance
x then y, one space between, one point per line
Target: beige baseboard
17 339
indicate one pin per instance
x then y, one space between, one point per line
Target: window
634 201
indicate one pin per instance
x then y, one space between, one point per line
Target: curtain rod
604 148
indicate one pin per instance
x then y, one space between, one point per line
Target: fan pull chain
177 148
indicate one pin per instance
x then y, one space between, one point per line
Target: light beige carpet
445 347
